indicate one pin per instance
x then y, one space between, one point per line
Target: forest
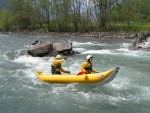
75 15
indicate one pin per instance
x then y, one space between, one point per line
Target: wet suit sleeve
59 62
62 70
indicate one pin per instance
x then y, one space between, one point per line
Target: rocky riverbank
140 40
77 34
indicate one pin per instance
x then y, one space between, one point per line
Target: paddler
87 66
56 65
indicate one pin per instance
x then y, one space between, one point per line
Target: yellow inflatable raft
102 78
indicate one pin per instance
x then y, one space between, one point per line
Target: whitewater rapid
22 92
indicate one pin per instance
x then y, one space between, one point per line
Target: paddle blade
81 73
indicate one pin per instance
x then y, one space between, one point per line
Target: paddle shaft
68 67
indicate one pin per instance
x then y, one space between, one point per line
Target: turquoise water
22 92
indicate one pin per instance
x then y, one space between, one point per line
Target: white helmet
58 56
89 56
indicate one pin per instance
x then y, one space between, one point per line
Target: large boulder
53 53
40 49
142 42
64 46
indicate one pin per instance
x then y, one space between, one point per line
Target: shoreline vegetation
85 18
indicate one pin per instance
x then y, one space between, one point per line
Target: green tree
21 14
4 23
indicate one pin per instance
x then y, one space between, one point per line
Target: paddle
68 67
81 73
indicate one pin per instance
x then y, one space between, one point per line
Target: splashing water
22 92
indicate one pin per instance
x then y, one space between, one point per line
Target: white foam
121 51
103 51
74 66
28 59
87 43
63 88
125 45
120 83
125 84
145 93
35 64
79 49
85 96
127 52
90 97
5 55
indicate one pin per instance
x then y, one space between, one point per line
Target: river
22 92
